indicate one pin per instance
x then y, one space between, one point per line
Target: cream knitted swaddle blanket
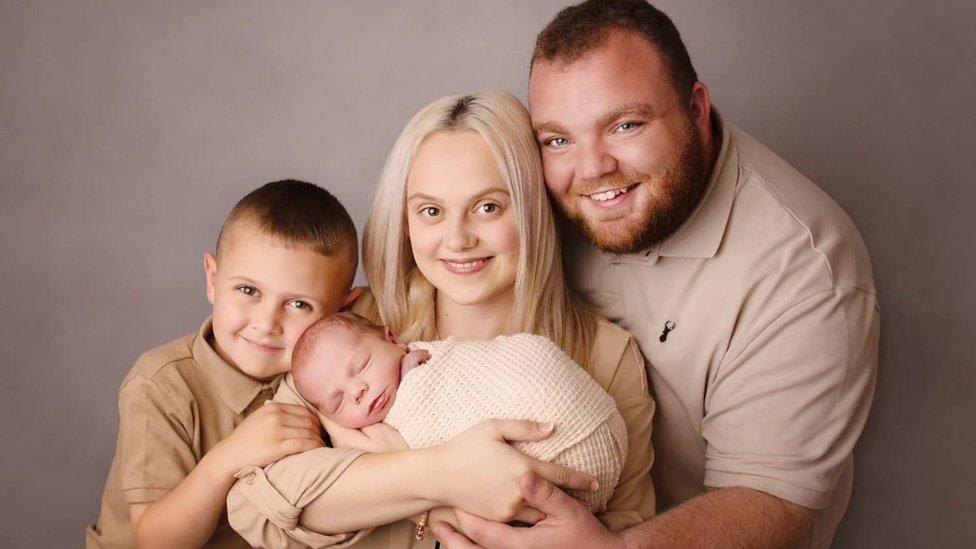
522 376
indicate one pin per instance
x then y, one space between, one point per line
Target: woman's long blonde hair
405 300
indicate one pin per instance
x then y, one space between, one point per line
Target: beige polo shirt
759 321
176 403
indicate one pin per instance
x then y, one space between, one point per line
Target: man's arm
729 517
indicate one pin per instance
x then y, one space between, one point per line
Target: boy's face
354 377
264 295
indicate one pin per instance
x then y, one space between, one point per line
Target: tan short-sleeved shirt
176 403
269 503
759 320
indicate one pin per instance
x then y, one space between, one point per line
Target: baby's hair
299 214
301 355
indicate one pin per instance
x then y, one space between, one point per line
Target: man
749 291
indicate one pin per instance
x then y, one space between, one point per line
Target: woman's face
460 220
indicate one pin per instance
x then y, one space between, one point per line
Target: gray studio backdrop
128 129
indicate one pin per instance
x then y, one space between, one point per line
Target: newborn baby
356 374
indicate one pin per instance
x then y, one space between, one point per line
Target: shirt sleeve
632 501
155 440
264 505
784 414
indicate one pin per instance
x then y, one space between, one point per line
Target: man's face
265 295
624 157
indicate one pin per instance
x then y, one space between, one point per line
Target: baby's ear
392 338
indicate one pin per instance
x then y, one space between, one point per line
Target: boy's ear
351 296
210 270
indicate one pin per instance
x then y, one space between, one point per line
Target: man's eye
556 142
301 305
628 126
430 211
247 290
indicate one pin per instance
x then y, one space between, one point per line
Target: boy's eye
430 211
247 290
301 305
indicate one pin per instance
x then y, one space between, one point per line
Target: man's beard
674 196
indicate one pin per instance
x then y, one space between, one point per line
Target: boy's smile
265 294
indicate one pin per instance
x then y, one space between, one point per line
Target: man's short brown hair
299 214
577 30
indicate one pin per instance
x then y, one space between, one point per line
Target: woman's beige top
264 506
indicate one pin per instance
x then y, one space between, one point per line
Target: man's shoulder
777 204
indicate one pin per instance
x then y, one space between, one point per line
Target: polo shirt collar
235 388
701 234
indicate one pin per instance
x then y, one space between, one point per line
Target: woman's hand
481 472
375 439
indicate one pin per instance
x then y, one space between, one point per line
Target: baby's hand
376 438
413 359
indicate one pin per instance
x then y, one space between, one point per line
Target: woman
461 242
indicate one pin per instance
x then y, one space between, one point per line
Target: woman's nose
460 237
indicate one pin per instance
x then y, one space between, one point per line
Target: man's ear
701 108
351 296
210 270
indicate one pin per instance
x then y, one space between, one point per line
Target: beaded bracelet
422 526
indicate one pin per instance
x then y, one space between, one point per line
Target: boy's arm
187 515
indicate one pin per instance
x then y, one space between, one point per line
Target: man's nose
595 161
459 236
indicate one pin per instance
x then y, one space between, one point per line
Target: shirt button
250 478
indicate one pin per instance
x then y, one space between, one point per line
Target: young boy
192 411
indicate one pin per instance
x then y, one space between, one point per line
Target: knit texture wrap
521 376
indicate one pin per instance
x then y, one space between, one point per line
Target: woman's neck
481 321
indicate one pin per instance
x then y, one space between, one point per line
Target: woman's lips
466 266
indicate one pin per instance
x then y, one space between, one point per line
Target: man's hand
481 472
375 439
568 523
272 432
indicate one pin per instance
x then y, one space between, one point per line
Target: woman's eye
247 290
301 305
489 208
430 211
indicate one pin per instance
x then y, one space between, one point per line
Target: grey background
130 128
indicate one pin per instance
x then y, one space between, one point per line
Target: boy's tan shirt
262 507
177 402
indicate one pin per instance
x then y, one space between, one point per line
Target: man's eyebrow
642 110
548 127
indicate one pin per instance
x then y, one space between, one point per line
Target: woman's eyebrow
422 196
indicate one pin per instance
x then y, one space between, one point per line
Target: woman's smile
466 266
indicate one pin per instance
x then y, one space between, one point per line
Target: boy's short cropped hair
299 214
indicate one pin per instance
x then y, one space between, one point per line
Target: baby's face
355 376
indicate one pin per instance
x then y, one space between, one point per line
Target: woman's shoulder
615 358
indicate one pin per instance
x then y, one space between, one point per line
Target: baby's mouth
378 403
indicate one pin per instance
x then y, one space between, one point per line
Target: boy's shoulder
166 369
153 361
